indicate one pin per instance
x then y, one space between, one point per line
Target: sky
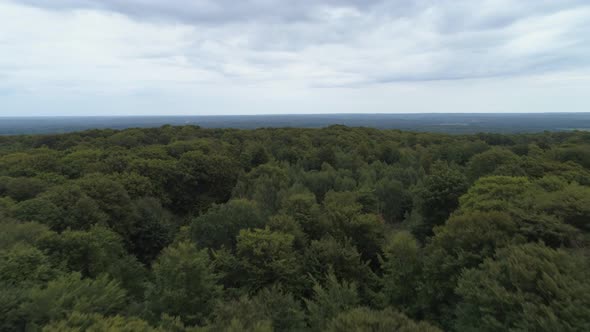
214 57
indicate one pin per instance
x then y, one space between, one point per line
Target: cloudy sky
127 57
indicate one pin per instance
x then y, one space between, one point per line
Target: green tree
526 288
76 322
137 186
38 210
21 188
288 225
339 257
13 232
263 185
267 258
254 155
112 199
330 300
570 204
272 306
494 161
364 319
402 268
184 284
12 317
153 229
24 265
211 178
438 197
168 180
221 224
71 293
77 211
366 231
464 242
93 253
394 201
529 204
305 210
21 267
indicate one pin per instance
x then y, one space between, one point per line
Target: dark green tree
402 268
364 319
76 322
267 258
184 284
330 300
497 161
527 288
153 229
71 293
438 197
221 224
271 308
93 253
464 242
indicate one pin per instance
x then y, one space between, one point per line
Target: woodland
182 228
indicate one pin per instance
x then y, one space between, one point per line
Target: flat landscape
450 123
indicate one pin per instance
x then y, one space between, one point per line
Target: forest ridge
182 228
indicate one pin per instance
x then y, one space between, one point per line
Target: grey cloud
460 39
207 11
228 11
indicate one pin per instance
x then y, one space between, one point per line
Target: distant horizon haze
287 114
454 123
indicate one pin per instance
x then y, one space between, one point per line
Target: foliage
363 319
402 265
221 224
330 300
184 284
289 229
96 323
71 293
527 288
270 308
267 258
439 196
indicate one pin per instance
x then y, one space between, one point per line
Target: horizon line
278 114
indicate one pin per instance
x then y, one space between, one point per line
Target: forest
183 228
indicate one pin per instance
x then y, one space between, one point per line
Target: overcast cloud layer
91 57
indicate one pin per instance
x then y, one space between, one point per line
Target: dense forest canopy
333 229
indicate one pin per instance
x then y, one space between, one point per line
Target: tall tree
439 196
184 284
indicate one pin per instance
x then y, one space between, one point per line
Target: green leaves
271 308
267 258
330 300
494 161
221 224
184 284
438 197
95 323
24 265
402 268
71 293
526 288
364 319
93 253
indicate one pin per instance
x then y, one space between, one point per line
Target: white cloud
265 56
